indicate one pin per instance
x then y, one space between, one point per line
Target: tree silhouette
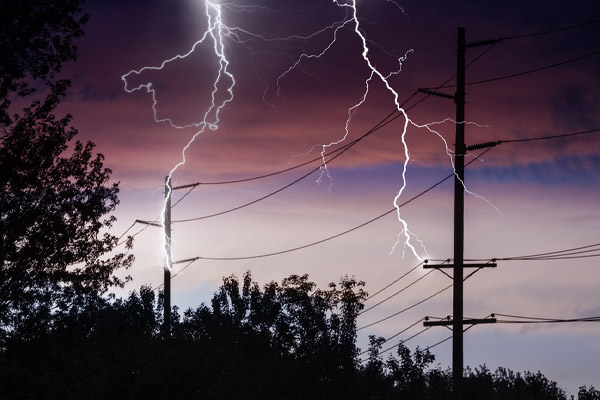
54 198
588 394
282 341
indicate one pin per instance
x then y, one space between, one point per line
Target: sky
295 71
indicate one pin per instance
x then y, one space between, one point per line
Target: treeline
281 341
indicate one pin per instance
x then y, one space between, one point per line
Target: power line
339 234
405 309
341 150
267 195
524 72
551 31
527 257
559 257
557 254
385 121
395 335
190 262
437 343
396 293
322 240
596 130
519 319
424 349
184 196
406 340
395 280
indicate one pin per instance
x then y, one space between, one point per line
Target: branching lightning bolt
218 33
405 235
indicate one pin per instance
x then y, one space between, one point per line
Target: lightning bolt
218 33
215 32
405 233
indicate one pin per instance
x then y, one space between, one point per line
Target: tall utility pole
457 322
168 261
459 211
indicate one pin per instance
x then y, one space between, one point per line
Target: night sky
529 197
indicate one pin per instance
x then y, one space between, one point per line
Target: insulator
436 93
483 145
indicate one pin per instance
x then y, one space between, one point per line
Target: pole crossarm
464 265
466 321
487 42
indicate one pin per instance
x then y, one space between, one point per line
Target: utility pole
457 321
168 260
459 212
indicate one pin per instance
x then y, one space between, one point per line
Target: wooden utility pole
457 322
459 212
168 260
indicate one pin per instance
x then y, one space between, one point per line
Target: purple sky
535 197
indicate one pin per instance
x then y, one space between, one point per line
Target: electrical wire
137 221
395 335
437 343
190 262
405 309
551 31
385 121
558 254
394 281
267 195
407 339
523 72
184 196
519 319
339 234
396 293
126 231
322 240
424 349
596 130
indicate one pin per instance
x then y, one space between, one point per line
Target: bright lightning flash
218 34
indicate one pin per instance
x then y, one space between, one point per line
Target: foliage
282 341
36 38
285 341
54 199
588 394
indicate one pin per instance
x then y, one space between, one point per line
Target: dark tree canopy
55 195
36 38
281 341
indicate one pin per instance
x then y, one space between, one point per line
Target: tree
54 198
272 342
36 38
588 394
